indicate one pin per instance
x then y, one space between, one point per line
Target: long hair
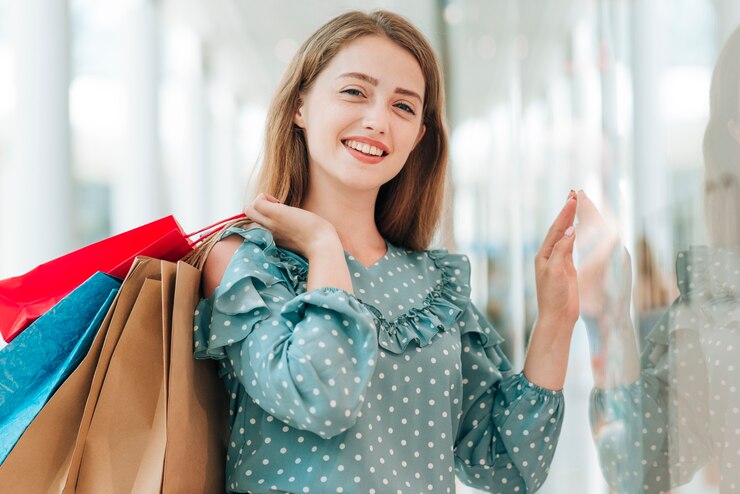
408 207
722 151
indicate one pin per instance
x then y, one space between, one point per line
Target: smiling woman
351 351
352 119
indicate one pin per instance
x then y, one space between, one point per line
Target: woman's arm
509 427
305 358
557 303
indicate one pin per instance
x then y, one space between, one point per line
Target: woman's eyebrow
372 80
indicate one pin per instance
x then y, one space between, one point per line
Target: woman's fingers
559 226
563 248
255 211
267 206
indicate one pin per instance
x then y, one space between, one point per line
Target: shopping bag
155 419
197 406
24 298
39 462
34 365
50 454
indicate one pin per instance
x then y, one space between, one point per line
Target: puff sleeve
305 358
509 426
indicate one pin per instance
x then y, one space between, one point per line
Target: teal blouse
394 389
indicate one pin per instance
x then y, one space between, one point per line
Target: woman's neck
352 214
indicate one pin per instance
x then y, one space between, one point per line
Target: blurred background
113 114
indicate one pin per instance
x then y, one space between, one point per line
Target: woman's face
363 115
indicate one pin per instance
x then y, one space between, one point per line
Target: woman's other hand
557 285
557 302
309 235
292 228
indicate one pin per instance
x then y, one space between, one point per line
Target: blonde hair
408 207
722 151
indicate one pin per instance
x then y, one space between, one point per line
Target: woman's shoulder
255 251
217 262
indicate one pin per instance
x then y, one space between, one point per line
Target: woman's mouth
370 155
363 148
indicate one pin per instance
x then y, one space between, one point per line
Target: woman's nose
376 119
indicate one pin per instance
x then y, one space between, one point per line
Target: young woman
354 358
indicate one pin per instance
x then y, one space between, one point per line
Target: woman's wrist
547 357
327 266
324 241
552 330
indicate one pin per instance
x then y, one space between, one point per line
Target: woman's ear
734 129
298 118
421 134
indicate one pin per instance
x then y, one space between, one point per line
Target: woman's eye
353 92
406 108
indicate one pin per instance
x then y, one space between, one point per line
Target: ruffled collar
438 312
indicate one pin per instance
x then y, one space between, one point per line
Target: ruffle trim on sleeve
268 263
441 310
258 263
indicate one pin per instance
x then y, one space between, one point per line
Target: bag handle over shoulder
203 245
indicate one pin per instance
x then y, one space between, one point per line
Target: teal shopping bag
38 361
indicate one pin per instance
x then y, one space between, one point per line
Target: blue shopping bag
38 361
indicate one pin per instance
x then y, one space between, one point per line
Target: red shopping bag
26 297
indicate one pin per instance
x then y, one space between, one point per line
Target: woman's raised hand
557 302
292 228
557 286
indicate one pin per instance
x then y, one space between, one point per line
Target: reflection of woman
722 149
684 409
353 356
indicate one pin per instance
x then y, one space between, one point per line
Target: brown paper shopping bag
159 423
139 414
123 447
40 460
197 406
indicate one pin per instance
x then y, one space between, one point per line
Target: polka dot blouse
395 389
684 410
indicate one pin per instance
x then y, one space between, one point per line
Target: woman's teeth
364 148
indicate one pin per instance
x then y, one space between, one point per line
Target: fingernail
572 193
569 231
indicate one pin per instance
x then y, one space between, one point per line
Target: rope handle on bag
213 227
202 246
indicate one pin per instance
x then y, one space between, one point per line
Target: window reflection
659 418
